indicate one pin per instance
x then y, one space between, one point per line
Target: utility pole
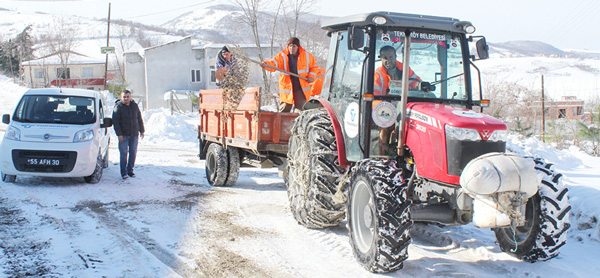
543 113
107 45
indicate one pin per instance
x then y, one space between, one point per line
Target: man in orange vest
294 91
391 70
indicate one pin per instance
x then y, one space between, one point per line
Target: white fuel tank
500 172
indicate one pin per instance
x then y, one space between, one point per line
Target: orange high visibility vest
382 80
307 67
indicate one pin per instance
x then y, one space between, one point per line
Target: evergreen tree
525 131
14 51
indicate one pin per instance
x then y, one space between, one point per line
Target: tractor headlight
13 133
83 135
498 135
462 134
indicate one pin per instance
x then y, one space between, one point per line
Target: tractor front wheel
379 219
546 224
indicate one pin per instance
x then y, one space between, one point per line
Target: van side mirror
356 38
106 122
482 48
6 118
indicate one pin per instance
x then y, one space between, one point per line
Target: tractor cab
377 58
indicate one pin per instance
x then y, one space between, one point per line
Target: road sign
107 49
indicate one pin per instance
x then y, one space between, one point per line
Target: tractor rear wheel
313 171
547 221
379 219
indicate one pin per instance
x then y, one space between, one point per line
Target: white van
56 132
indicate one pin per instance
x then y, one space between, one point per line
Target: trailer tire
216 165
313 171
234 166
379 218
547 220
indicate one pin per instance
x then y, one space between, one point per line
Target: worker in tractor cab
295 91
388 77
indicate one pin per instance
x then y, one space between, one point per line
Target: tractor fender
337 129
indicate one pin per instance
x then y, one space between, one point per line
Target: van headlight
498 136
83 135
462 134
13 133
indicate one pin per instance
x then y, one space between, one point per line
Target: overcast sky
564 24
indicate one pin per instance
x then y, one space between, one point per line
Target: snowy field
169 222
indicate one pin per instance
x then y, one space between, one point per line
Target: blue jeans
129 145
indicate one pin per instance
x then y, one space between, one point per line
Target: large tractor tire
379 218
547 220
314 171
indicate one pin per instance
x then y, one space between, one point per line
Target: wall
167 67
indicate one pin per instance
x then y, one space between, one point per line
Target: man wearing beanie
293 91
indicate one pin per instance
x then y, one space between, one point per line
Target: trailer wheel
547 220
216 165
234 166
379 219
313 171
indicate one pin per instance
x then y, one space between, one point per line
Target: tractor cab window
436 68
436 73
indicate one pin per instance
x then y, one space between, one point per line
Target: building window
63 73
562 113
39 73
196 76
579 111
213 74
87 72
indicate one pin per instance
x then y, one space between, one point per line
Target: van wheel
8 178
97 174
105 160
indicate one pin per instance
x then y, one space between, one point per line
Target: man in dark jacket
128 123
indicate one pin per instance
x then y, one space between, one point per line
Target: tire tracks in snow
129 237
22 256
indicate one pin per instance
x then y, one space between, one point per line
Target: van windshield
56 109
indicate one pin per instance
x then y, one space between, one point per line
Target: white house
180 67
64 69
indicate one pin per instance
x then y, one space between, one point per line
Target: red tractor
393 140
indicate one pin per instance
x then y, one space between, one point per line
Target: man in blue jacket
128 123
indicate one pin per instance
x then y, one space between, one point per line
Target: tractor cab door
345 74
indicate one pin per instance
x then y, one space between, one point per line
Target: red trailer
244 136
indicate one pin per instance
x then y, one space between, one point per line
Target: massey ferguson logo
485 134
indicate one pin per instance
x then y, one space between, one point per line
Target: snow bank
161 126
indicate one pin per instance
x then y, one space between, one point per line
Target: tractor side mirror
482 49
427 87
356 38
6 118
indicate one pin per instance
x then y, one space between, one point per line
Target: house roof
74 58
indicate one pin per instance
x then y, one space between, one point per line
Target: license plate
43 161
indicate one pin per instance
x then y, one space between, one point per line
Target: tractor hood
438 115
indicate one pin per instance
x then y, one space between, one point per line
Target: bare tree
293 9
251 10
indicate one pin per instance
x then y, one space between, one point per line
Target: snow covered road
168 222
